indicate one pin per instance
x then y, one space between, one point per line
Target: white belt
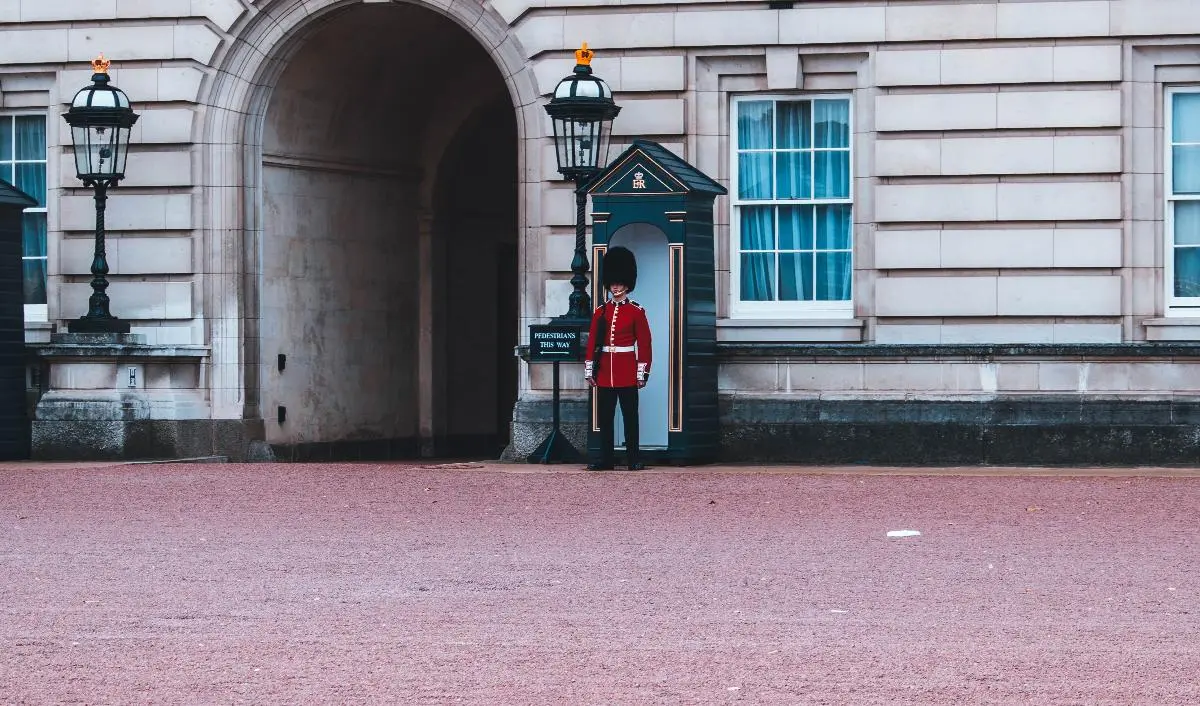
619 349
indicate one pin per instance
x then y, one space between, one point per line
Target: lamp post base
97 325
555 448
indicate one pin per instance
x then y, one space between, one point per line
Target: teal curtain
819 269
831 124
31 137
1185 118
6 144
834 243
793 175
758 257
794 151
831 128
23 154
30 133
31 178
793 131
1187 249
755 128
23 164
796 268
755 125
793 161
34 241
1185 167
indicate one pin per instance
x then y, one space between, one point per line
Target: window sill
1175 328
790 330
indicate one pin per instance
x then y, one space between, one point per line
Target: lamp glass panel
559 144
572 143
605 129
122 147
585 144
79 141
100 150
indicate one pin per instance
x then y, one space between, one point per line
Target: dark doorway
475 231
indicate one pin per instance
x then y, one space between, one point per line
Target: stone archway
348 334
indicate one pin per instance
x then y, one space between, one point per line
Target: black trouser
607 398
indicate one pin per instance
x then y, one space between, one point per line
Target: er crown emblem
639 180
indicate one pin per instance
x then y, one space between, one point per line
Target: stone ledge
750 331
1003 410
114 350
778 350
971 351
1172 329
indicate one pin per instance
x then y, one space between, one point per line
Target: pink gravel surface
357 584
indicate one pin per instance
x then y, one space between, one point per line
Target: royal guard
618 357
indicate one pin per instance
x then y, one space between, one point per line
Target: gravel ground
464 583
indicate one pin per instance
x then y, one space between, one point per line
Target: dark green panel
14 417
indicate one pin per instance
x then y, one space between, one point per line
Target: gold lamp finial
583 55
100 64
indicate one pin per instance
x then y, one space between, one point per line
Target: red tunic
619 364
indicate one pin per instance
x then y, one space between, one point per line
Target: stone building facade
955 231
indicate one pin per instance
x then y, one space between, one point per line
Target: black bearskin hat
620 267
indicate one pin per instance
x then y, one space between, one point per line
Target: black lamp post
582 110
100 120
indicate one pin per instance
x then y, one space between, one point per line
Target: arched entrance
381 290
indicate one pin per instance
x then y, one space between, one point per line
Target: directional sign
550 342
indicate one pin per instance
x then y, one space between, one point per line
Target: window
792 219
1183 200
23 164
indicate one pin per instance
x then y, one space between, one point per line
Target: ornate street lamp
582 110
100 120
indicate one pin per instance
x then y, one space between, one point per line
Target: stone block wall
992 179
153 217
1008 162
1008 156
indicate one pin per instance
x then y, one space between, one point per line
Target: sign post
554 344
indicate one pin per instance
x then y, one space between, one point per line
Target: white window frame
34 313
783 309
1176 306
